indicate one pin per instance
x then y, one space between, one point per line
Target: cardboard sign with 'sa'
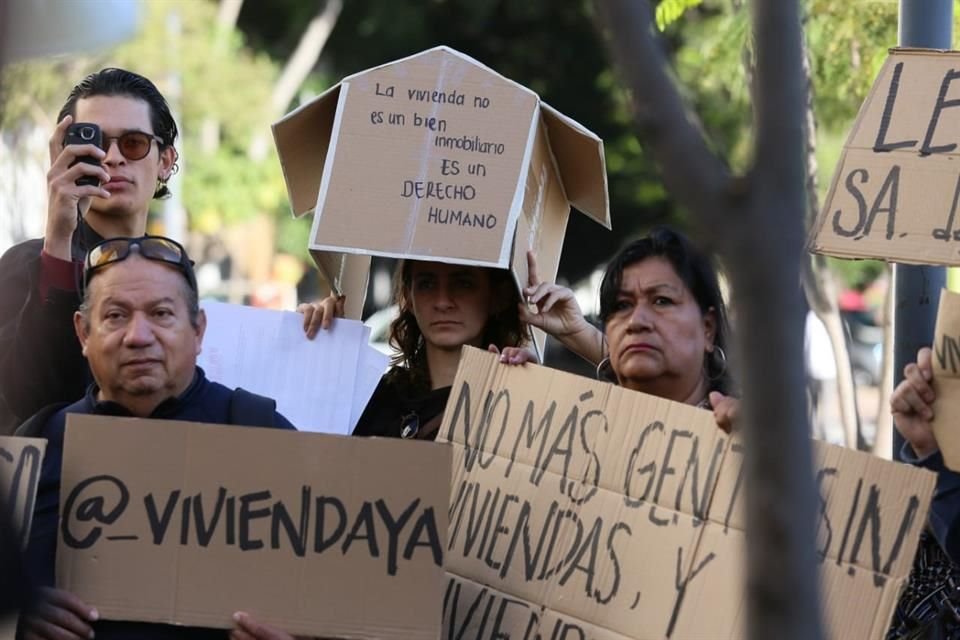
896 190
583 510
946 378
437 157
21 460
322 535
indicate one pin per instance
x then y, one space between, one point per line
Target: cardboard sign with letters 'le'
896 191
321 535
580 509
21 460
437 157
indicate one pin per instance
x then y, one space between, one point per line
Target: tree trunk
298 67
755 222
819 285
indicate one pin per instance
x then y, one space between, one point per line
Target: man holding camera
94 192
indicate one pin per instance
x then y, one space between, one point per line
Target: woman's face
657 335
451 303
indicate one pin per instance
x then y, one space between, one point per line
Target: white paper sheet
315 382
372 365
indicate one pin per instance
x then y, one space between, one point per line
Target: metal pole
916 289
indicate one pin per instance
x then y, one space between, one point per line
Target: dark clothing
396 404
15 590
929 605
945 509
40 358
203 401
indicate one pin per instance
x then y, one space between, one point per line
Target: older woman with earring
664 323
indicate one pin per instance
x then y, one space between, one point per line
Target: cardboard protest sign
896 189
20 462
437 157
583 510
946 378
185 523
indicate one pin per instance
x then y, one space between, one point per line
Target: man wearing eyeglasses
141 328
40 360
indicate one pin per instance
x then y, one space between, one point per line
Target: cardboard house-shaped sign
436 157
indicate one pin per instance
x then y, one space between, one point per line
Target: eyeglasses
133 145
151 247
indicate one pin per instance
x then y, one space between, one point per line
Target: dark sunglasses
151 247
133 145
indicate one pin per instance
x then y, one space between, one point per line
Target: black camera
85 133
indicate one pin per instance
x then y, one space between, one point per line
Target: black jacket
40 358
397 404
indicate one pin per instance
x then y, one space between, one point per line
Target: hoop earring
722 358
605 371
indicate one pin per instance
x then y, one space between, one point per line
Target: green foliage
712 75
854 273
293 236
669 11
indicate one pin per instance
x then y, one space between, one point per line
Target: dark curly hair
409 363
697 272
120 82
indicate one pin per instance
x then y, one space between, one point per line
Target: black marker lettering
942 103
393 530
158 525
321 543
881 144
246 515
297 536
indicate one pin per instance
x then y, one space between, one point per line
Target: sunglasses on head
155 248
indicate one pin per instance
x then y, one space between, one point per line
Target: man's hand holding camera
64 194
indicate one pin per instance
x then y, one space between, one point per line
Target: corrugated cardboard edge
331 153
449 51
300 204
516 207
537 336
572 179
